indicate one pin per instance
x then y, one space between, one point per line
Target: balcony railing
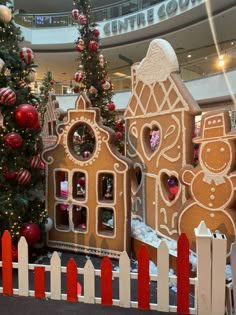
99 14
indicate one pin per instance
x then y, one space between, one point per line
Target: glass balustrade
100 14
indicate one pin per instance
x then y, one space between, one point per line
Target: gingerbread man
212 182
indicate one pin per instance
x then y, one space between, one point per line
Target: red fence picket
39 282
71 281
106 281
183 275
143 278
7 281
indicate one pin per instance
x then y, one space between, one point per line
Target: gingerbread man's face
216 156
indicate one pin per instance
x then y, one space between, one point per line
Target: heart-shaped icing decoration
137 179
151 139
169 186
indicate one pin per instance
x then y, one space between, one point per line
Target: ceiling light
189 56
221 60
232 43
221 57
119 74
221 63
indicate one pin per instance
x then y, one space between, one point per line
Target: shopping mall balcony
201 32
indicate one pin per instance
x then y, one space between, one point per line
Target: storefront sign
155 14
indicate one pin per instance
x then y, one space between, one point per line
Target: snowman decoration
212 183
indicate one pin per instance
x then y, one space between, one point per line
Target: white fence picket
89 283
55 276
124 280
233 264
23 271
163 278
204 259
219 246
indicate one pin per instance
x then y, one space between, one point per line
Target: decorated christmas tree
92 73
45 88
22 209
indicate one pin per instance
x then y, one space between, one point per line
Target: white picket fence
210 290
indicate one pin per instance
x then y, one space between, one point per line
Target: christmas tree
92 73
22 209
45 88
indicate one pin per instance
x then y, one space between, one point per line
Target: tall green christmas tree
92 75
45 88
22 209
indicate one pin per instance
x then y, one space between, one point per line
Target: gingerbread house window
151 138
61 179
62 216
79 218
79 186
106 221
81 141
170 186
136 178
106 187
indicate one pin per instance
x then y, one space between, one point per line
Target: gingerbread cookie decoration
212 182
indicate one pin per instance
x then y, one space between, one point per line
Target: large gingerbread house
88 186
160 126
92 193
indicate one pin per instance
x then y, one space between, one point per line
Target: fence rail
210 276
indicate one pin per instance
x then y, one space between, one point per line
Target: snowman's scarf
217 179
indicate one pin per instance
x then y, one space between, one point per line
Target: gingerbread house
88 186
160 119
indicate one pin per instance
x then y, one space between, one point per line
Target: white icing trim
159 62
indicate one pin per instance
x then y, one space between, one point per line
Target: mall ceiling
196 39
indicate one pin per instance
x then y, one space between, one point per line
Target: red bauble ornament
35 162
81 181
8 175
96 33
118 135
52 82
31 232
7 96
23 177
80 45
119 125
105 85
26 55
111 106
79 76
93 46
86 154
82 19
23 84
75 14
26 116
174 190
13 140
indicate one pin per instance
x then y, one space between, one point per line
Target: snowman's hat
215 125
